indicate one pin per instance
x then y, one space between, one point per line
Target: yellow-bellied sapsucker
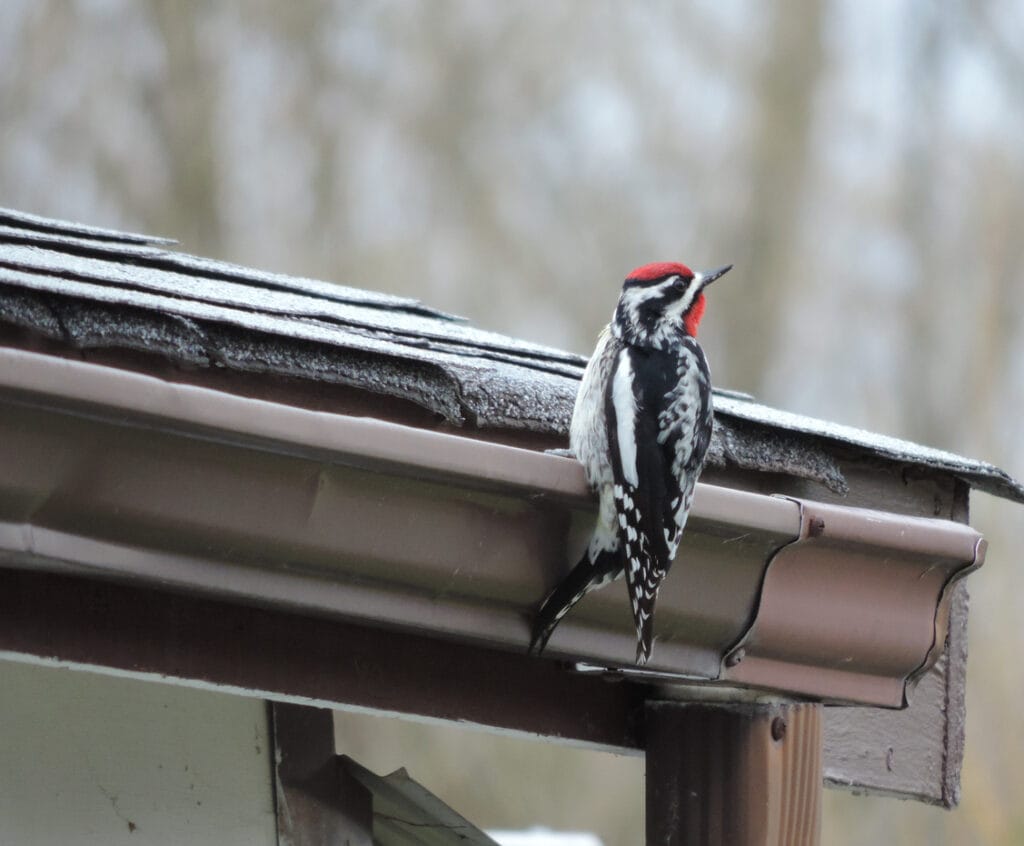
640 428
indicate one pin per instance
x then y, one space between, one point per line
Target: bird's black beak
709 276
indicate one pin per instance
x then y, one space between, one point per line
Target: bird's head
660 300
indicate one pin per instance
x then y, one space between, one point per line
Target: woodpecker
640 427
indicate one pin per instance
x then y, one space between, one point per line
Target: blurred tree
765 234
183 108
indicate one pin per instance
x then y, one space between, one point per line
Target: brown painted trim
271 653
916 752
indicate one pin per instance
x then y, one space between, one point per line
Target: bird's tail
585 575
644 639
642 597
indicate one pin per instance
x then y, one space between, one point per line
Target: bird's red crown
659 270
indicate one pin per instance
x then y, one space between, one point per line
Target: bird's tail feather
642 596
644 640
569 591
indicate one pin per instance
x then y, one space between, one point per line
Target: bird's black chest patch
657 373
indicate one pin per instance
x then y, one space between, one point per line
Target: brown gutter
126 476
842 607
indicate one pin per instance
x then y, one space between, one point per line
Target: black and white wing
658 413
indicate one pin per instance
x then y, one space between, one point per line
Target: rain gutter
114 474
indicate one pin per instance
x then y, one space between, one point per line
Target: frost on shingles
737 443
498 395
426 384
92 326
830 435
28 310
98 289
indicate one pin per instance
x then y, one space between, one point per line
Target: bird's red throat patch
692 318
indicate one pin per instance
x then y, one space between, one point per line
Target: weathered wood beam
733 774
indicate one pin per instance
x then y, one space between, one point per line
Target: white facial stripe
656 289
625 414
638 296
680 306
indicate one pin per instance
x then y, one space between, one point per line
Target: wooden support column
316 800
733 774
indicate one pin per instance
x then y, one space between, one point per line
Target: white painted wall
93 759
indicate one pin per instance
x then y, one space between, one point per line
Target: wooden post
316 800
733 774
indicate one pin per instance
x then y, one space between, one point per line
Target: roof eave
122 475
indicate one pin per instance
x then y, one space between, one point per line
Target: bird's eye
679 284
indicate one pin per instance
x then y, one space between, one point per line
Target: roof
99 289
